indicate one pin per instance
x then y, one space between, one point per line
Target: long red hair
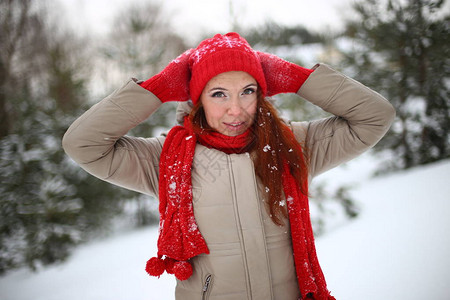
272 144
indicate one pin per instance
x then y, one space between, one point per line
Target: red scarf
179 236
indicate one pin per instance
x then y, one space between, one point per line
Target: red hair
272 144
276 145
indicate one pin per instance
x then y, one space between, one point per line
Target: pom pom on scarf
182 270
155 266
170 263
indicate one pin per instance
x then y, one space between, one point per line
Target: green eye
218 95
248 91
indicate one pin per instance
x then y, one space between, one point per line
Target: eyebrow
224 89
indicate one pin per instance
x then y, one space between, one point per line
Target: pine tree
400 49
47 204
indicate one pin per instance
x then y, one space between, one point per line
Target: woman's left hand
282 76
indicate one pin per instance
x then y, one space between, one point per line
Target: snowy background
398 248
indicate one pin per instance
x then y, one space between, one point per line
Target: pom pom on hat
223 53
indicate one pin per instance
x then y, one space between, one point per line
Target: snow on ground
398 248
112 269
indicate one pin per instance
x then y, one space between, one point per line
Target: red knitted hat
223 53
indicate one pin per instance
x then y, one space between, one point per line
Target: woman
232 178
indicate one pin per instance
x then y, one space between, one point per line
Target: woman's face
229 101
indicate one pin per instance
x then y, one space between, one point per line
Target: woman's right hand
172 83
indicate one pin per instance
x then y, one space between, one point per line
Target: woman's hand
172 83
282 76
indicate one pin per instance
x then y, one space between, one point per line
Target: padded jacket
250 257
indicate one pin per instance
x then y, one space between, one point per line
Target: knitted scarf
179 237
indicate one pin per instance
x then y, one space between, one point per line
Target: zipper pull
207 282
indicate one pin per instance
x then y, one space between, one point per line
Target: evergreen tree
400 48
47 204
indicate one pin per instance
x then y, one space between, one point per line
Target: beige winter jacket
250 257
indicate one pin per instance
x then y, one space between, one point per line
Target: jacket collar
183 109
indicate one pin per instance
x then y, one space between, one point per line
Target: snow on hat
223 53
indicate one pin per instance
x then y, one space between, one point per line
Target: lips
235 126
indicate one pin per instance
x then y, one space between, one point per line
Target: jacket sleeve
361 118
97 141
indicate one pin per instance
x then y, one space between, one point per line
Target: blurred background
58 58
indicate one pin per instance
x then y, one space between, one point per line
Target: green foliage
47 204
400 49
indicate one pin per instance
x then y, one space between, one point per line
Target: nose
235 107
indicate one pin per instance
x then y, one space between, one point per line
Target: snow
112 269
398 248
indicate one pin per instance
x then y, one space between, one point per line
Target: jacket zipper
206 287
240 231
